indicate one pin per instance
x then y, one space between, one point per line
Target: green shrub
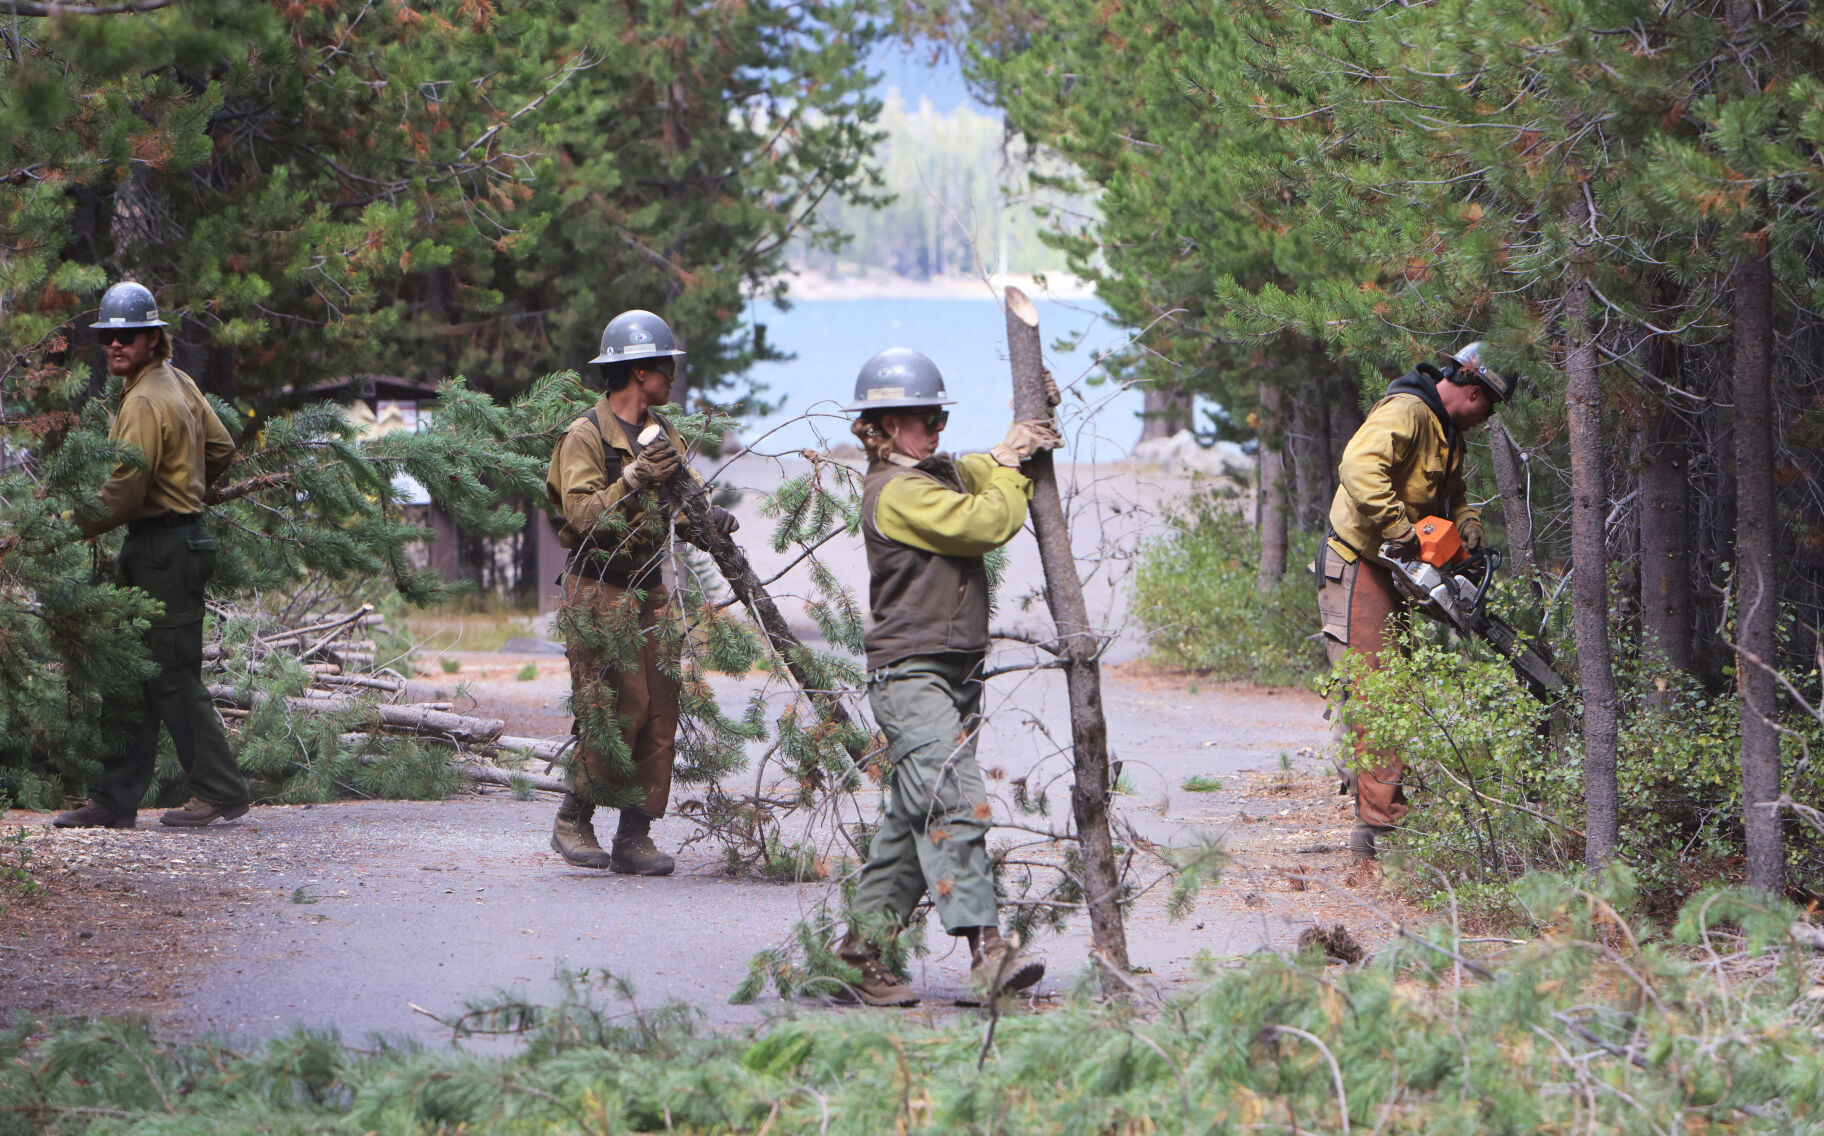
1496 781
527 673
1196 596
1198 783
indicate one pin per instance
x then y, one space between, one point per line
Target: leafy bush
1196 596
1496 780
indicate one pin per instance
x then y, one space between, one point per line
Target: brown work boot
573 836
634 852
1361 841
197 812
998 964
878 986
90 814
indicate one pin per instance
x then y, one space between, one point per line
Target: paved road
434 903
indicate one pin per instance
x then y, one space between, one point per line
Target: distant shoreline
886 286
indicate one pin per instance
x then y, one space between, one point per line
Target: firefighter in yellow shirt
168 555
927 520
1404 464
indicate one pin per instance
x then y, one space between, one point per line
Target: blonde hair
873 439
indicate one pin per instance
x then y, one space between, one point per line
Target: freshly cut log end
1019 306
651 434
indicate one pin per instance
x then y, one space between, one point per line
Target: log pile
339 653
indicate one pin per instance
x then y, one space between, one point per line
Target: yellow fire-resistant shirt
1396 470
920 513
185 446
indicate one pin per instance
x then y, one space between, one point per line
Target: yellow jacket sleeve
919 513
1366 472
122 495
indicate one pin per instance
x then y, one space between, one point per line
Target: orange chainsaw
1449 583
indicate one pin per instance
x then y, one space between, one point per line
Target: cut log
1080 648
412 719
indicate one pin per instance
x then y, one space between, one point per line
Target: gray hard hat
1470 366
899 376
127 305
637 335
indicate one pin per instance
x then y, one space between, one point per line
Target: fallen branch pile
345 678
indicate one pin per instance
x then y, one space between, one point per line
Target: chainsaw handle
1486 561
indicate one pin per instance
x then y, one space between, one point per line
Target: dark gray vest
920 603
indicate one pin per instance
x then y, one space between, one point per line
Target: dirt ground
372 916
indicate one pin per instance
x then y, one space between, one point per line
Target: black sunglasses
124 335
937 420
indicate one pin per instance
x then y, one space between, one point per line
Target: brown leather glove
725 521
1403 548
1472 534
657 464
1025 439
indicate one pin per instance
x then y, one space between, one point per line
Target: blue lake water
967 339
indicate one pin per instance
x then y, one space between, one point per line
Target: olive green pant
934 836
173 566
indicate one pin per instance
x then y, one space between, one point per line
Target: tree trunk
1665 540
1079 645
1516 507
1589 584
1757 586
1347 417
1270 493
1301 455
1165 412
1323 452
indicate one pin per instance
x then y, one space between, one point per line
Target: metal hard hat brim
893 402
119 324
634 352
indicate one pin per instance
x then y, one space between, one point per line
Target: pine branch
699 529
31 8
226 493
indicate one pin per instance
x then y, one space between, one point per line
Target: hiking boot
878 986
197 812
634 852
999 965
89 814
573 836
1361 841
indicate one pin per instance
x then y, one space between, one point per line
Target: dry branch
1080 645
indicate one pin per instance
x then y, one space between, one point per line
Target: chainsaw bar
1528 661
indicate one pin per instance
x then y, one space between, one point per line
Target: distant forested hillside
966 198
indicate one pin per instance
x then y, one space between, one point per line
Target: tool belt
158 524
641 576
